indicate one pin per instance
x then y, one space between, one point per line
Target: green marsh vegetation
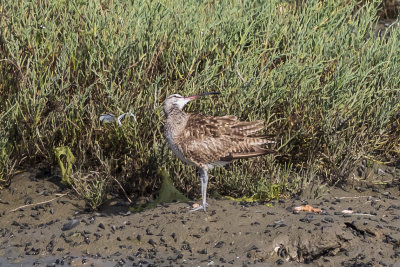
325 84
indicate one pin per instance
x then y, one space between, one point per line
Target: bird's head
177 101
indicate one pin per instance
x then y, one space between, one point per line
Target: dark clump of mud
44 225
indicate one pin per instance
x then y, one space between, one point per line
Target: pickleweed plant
326 85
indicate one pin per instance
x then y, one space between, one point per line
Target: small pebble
173 235
148 232
327 220
308 218
4 202
203 251
28 201
151 242
70 225
219 244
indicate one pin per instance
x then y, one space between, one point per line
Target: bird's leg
204 182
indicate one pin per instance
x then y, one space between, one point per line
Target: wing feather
208 139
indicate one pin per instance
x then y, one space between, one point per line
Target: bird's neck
176 122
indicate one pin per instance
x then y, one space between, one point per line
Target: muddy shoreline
60 232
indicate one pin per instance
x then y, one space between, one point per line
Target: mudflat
44 224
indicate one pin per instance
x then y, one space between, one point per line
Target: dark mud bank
58 231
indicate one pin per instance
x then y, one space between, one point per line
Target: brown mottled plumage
206 141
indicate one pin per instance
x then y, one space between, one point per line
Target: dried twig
363 214
123 190
108 171
350 197
43 202
239 74
351 212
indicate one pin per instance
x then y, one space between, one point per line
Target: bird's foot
200 207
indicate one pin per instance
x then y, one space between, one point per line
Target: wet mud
44 224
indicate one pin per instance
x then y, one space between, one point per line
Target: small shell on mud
347 211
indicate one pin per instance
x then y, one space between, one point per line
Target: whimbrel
206 141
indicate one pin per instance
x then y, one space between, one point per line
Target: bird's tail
255 152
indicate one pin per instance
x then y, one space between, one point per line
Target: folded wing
207 140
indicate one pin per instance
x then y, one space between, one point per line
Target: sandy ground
60 231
